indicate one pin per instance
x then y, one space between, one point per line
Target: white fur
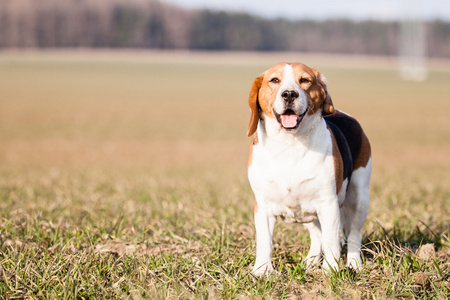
354 212
292 176
289 83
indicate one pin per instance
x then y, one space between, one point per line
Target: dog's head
288 93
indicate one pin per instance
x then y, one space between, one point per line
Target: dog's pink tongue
289 121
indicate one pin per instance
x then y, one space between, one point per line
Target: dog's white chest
288 180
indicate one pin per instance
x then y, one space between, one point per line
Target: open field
123 175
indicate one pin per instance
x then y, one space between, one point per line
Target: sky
323 9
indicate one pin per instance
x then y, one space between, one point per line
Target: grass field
123 175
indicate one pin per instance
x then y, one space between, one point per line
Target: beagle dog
308 163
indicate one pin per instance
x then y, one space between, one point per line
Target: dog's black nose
289 96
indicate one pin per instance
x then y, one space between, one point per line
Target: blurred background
165 83
324 26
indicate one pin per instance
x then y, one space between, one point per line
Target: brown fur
338 163
254 106
250 155
364 154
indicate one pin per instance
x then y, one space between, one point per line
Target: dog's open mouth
289 119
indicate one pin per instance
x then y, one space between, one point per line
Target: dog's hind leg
354 213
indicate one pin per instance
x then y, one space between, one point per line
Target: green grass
123 175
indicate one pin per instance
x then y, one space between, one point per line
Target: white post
412 42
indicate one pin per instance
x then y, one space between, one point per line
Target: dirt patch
121 247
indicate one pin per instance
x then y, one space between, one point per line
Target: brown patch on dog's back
364 153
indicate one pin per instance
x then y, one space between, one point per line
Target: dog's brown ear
253 103
327 106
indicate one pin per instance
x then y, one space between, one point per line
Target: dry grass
124 175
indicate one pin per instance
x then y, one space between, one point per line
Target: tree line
158 25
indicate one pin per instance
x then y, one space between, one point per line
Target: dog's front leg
264 224
315 251
331 227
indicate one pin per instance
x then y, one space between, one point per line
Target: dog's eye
275 80
304 80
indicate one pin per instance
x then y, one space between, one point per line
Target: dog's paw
330 267
354 262
262 270
312 261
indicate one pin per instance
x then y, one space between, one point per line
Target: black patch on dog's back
348 135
